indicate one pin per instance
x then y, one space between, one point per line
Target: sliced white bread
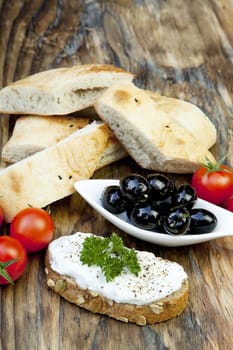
60 90
49 175
155 139
32 134
158 293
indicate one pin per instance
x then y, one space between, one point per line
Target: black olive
161 219
145 216
185 195
202 221
164 205
161 186
177 221
154 203
129 206
135 188
113 200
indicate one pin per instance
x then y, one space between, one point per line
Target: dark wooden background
179 48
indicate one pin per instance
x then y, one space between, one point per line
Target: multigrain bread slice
150 134
32 134
49 175
60 90
158 293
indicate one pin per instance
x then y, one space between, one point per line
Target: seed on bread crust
109 301
141 320
93 294
95 305
122 319
156 308
50 283
60 286
79 299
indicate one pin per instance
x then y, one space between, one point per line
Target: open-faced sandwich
103 276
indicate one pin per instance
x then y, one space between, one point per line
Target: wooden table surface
178 48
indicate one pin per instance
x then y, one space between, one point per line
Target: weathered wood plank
180 49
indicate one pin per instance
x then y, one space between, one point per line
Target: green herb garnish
110 254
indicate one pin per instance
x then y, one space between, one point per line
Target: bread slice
113 151
155 139
60 90
158 293
189 116
32 134
49 175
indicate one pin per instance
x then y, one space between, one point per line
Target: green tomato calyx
3 271
216 166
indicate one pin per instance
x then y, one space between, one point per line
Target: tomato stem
3 271
211 167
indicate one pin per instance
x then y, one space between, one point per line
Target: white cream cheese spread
157 279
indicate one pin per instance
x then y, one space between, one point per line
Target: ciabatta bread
60 90
150 134
32 134
158 293
49 175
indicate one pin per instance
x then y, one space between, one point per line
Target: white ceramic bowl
91 191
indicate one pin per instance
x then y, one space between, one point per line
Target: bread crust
158 311
34 133
60 91
49 175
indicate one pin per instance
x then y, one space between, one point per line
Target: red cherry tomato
33 227
13 259
1 216
229 204
213 182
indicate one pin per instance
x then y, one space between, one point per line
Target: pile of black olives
154 203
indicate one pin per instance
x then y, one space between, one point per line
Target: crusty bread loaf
150 135
165 281
60 90
32 134
49 175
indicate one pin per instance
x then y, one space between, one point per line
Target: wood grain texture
179 48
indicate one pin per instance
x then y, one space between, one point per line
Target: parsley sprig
110 255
